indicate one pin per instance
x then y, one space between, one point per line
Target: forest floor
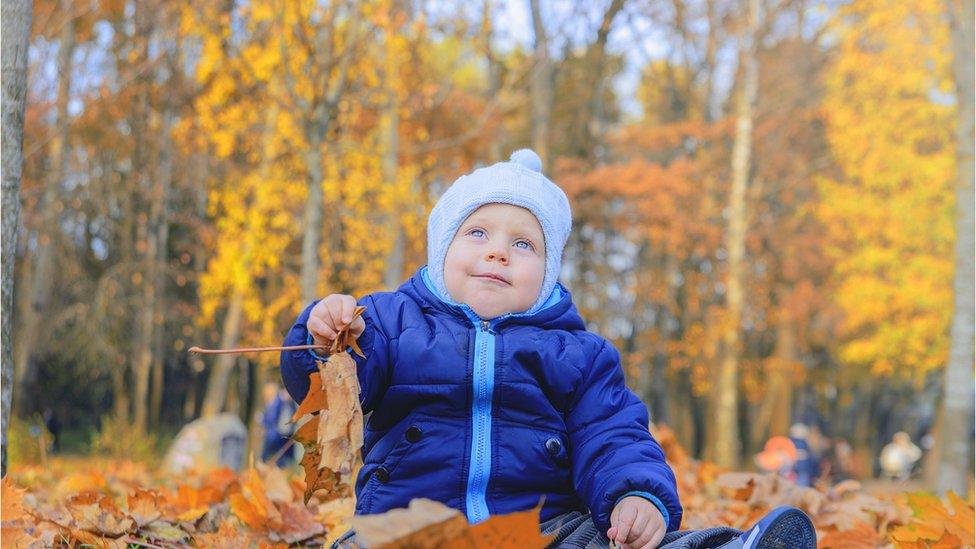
74 501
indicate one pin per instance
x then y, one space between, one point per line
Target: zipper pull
485 325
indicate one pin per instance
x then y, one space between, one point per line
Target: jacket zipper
483 385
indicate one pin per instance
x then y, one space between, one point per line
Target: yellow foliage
255 114
890 216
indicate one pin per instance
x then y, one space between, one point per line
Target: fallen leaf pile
74 502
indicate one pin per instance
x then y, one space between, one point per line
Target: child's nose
497 256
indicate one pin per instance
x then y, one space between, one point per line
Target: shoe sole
790 530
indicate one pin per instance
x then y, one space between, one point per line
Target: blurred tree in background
765 221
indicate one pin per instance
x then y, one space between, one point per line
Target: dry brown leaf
511 531
424 523
11 506
297 524
97 514
12 515
143 506
431 524
227 535
332 433
340 429
252 505
276 483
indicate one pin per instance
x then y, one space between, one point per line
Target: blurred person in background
899 457
278 410
807 466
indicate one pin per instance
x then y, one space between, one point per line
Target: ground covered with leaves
74 502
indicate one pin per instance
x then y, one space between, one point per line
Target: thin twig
281 451
199 351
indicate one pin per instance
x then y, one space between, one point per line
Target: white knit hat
518 182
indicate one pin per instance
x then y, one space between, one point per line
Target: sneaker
782 528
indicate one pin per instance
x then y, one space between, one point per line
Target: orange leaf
862 536
12 533
932 521
315 400
143 506
11 508
97 514
511 531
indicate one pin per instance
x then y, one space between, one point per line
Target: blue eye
524 244
478 233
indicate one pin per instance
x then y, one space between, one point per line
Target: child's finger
638 529
321 332
612 532
333 312
657 535
645 538
357 327
348 305
624 524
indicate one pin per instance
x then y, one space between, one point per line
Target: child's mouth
494 278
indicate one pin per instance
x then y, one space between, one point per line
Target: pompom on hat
518 182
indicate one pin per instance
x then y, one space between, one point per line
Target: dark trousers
576 530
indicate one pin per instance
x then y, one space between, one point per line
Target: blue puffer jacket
490 416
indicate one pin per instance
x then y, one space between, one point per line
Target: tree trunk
16 16
43 267
146 243
711 46
217 385
389 136
727 441
591 122
776 407
158 274
120 392
957 436
493 74
541 87
314 204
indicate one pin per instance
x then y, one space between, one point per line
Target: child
486 390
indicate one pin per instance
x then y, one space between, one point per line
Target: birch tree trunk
727 441
541 88
956 442
16 15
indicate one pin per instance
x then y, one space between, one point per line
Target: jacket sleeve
373 371
614 454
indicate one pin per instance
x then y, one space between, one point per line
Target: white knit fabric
518 182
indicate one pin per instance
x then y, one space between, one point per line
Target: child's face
497 261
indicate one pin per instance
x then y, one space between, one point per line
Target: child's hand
636 523
331 315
